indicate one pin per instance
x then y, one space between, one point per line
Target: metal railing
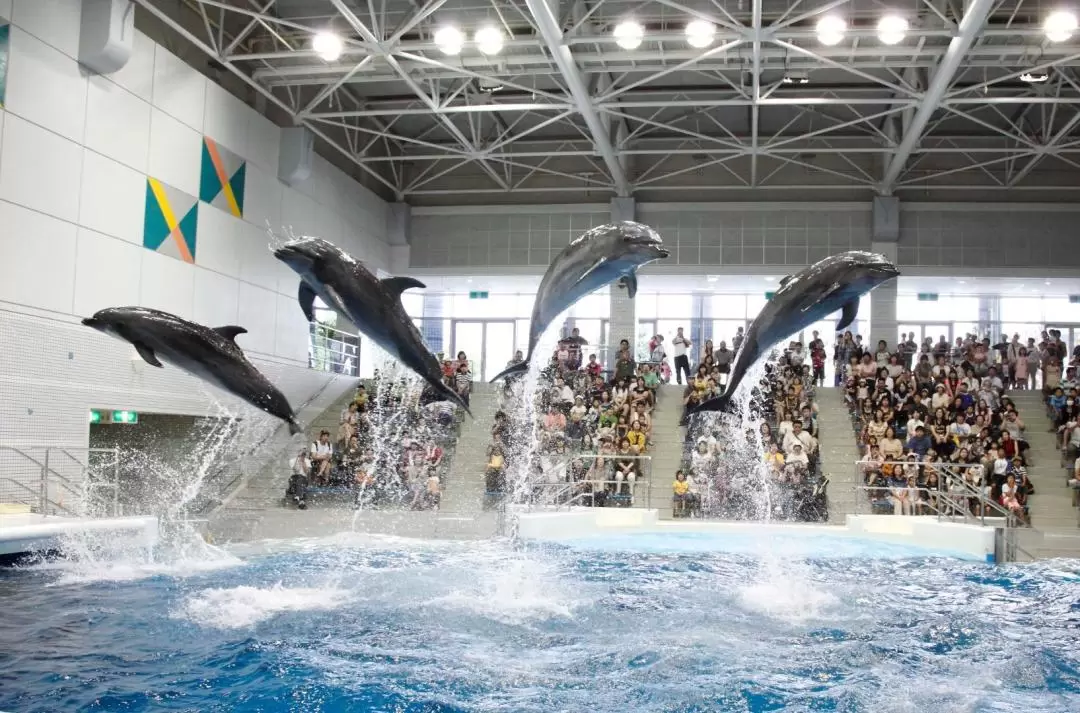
51 480
539 490
333 350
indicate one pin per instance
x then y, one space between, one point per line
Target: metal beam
755 109
973 20
552 34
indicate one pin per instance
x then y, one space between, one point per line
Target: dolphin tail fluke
519 368
717 403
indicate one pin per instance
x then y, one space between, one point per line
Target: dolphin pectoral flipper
147 354
851 310
230 331
397 285
629 281
306 296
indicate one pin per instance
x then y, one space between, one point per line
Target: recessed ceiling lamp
700 33
796 78
892 29
327 45
1034 77
830 30
1059 26
629 34
489 40
769 279
449 40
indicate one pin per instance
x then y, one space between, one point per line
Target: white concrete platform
974 542
30 532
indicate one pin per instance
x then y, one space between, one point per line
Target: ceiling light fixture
1034 77
489 40
796 78
629 34
328 45
700 33
1060 26
830 30
892 29
449 40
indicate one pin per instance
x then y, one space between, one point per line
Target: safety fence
50 480
333 350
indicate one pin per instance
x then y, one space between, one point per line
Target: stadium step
839 451
464 494
1051 507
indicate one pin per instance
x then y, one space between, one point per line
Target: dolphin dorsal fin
397 285
230 332
785 280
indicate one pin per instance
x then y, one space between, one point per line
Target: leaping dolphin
809 296
208 354
372 305
597 257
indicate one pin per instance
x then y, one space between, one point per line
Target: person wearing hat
940 399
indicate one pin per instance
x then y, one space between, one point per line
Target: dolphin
809 296
209 354
605 254
372 305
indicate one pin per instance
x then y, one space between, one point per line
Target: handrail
37 496
35 461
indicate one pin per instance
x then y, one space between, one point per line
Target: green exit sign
928 297
769 295
477 295
95 416
125 417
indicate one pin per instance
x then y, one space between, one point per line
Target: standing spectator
322 453
298 481
682 361
737 341
463 379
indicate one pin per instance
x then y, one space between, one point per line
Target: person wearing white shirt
322 452
960 429
801 437
940 399
682 361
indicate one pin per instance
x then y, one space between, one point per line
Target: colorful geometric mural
5 45
171 221
222 181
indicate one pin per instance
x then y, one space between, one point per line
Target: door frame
478 361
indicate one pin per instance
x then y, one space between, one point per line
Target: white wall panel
38 266
5 9
298 212
179 90
55 22
168 284
45 86
113 198
137 76
117 124
257 265
264 143
292 330
258 315
226 119
175 152
217 298
262 198
40 169
217 246
108 273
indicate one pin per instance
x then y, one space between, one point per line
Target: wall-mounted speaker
106 34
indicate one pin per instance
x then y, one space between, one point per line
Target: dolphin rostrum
809 296
209 354
372 305
605 254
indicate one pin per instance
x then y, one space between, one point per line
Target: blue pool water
695 624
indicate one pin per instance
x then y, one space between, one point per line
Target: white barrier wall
79 159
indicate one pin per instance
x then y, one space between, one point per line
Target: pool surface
356 623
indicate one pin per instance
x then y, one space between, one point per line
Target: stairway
1052 511
839 451
463 491
666 451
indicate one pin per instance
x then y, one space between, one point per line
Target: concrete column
623 314
883 324
399 233
990 317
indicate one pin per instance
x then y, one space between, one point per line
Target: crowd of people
716 477
390 450
593 433
937 431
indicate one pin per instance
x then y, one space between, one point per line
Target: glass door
469 338
488 345
934 330
498 347
1070 334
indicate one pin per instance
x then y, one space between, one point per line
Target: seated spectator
626 467
636 437
322 453
680 495
298 481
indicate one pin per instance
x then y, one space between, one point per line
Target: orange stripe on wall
219 167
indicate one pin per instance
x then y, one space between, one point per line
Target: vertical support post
623 314
44 494
883 323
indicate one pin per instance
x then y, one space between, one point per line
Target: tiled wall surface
75 155
746 235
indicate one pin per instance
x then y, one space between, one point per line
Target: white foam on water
517 591
245 606
783 591
196 559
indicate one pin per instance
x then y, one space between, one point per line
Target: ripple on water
380 624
